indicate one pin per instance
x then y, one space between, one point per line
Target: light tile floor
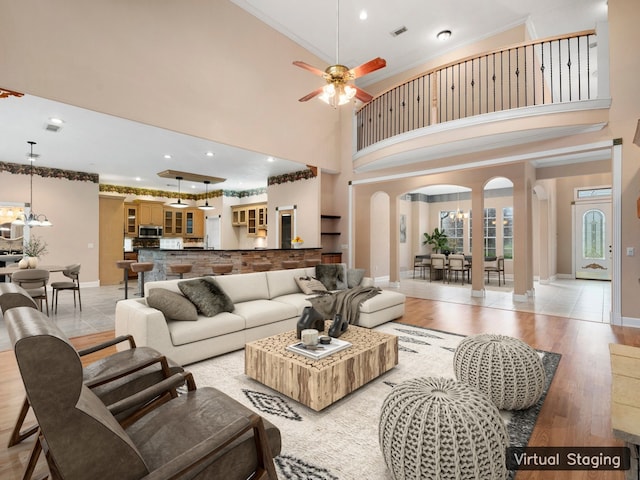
581 299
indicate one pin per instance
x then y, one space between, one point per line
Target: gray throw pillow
173 305
354 277
332 275
310 285
206 295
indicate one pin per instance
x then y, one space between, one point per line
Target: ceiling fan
338 91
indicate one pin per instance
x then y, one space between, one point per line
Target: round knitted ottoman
437 428
508 370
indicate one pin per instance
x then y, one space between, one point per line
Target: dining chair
421 263
439 265
72 272
34 281
498 268
458 264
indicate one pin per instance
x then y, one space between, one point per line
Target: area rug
341 441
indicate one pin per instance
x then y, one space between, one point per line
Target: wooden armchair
203 432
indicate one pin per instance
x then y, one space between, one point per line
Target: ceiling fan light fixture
336 94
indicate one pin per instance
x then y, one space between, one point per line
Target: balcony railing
555 70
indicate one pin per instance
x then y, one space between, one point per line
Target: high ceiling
130 154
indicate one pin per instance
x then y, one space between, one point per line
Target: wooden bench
625 403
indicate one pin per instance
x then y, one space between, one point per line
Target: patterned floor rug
341 441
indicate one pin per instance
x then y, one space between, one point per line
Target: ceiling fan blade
311 68
363 96
370 66
311 95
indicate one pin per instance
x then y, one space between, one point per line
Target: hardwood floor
575 412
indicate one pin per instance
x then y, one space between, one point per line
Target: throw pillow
173 305
354 277
310 285
206 295
332 275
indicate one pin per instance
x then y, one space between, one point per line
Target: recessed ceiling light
167 156
138 179
444 35
57 121
209 154
270 159
363 15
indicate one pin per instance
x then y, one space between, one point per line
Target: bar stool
180 269
312 262
261 266
222 268
141 267
289 264
126 266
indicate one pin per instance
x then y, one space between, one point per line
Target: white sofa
265 303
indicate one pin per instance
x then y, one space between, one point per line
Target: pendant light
206 205
179 203
33 219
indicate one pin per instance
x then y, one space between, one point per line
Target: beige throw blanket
345 302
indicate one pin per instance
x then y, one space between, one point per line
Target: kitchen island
242 260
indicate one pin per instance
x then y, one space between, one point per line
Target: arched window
593 234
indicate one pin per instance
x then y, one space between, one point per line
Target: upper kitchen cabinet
173 222
130 220
150 213
194 223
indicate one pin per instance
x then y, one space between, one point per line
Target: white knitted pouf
508 370
437 428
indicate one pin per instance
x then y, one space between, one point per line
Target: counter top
156 249
243 260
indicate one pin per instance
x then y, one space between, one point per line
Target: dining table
6 272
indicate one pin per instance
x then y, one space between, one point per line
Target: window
593 234
454 229
599 192
490 232
507 232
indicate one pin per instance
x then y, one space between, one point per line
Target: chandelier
33 219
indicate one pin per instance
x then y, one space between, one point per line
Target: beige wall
625 110
207 69
73 209
305 195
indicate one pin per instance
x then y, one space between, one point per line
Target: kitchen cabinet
262 217
130 220
251 221
150 213
253 216
238 216
173 222
194 223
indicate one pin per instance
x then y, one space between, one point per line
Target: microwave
149 231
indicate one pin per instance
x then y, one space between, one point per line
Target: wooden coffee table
319 383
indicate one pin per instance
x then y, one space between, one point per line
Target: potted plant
32 251
438 240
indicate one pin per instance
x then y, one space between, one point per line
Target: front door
593 240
